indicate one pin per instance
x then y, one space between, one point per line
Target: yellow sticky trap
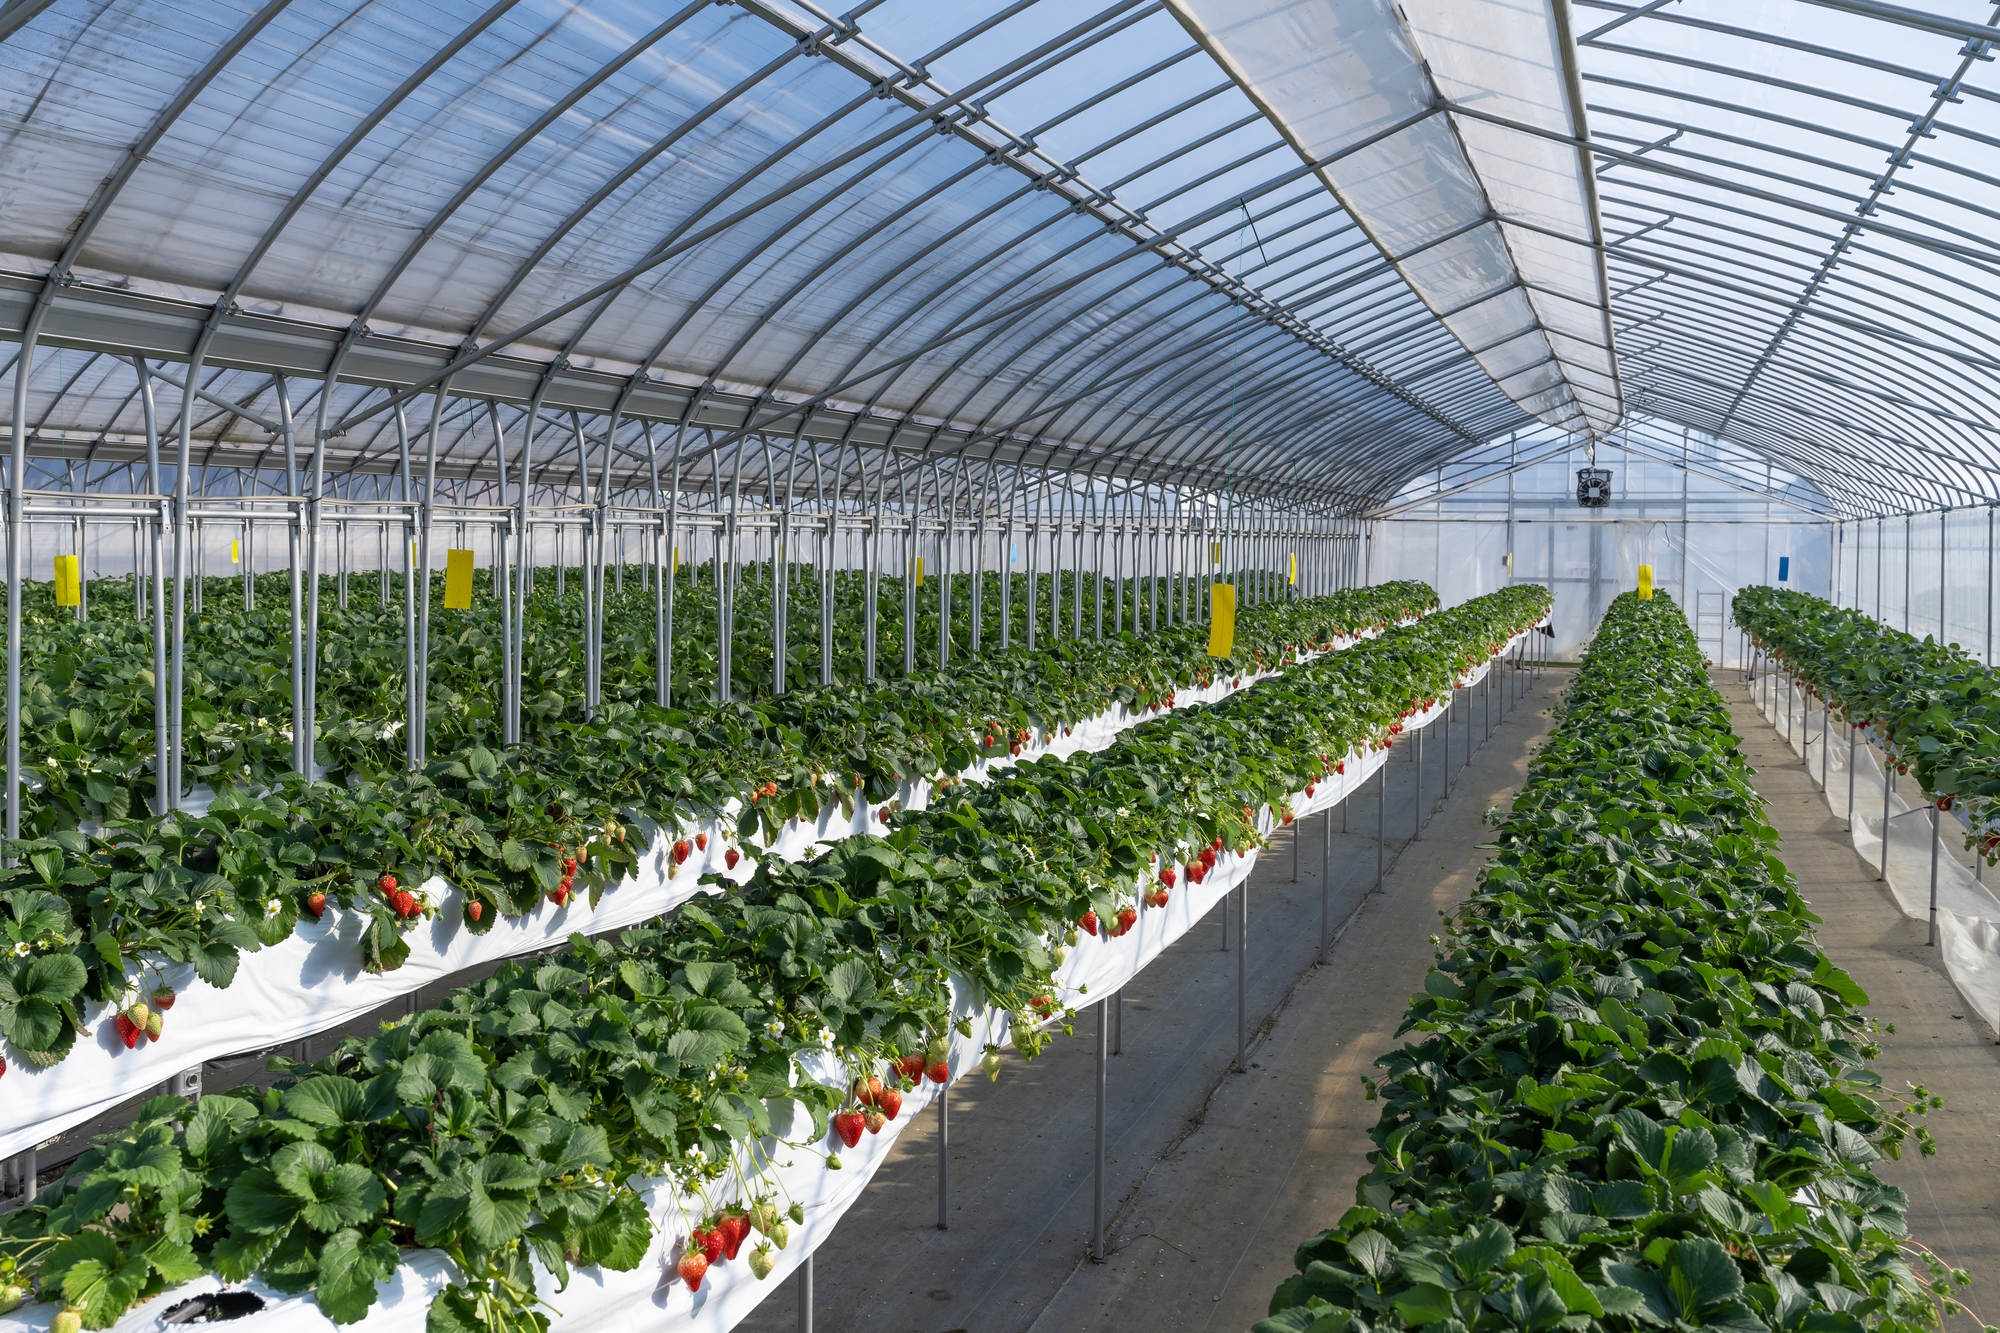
458 580
1645 583
920 571
236 552
1295 568
69 582
1221 619
677 560
1215 553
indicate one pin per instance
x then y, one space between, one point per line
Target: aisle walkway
1216 1177
1938 1041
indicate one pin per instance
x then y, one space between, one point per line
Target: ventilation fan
1593 487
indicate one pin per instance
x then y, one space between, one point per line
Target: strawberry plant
506 1127
554 816
1933 707
1636 1095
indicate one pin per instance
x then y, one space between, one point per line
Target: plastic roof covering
1493 226
1800 199
1024 231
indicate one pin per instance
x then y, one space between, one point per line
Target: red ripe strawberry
1088 921
940 1072
1340 767
734 1227
1288 817
1208 858
1126 916
1217 844
911 1067
891 1102
475 909
1042 1004
163 997
874 1119
404 902
681 850
3 1067
569 865
387 883
711 1244
693 1266
128 1031
1157 898
316 904
561 895
1311 787
848 1124
868 1090
701 842
1167 877
731 857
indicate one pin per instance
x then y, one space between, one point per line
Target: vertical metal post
1242 967
30 1164
162 779
1417 797
1097 1151
806 1296
1297 825
1825 726
944 1157
1225 922
1888 781
1937 840
1118 1022
1381 820
1851 737
1325 865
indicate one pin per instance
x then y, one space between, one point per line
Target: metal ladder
1711 619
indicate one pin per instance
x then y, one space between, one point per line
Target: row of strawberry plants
1637 1094
88 684
511 1125
85 915
1934 707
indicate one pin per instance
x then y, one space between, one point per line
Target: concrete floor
1938 1041
1215 1176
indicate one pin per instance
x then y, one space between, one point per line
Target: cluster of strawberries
768 789
1167 702
569 865
401 901
1197 869
137 1023
721 1235
684 849
876 1103
1126 917
1014 742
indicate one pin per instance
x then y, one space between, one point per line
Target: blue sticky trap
1784 568
1013 554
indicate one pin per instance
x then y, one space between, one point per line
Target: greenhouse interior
643 626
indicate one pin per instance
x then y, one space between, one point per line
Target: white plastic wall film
314 980
1968 913
652 1294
